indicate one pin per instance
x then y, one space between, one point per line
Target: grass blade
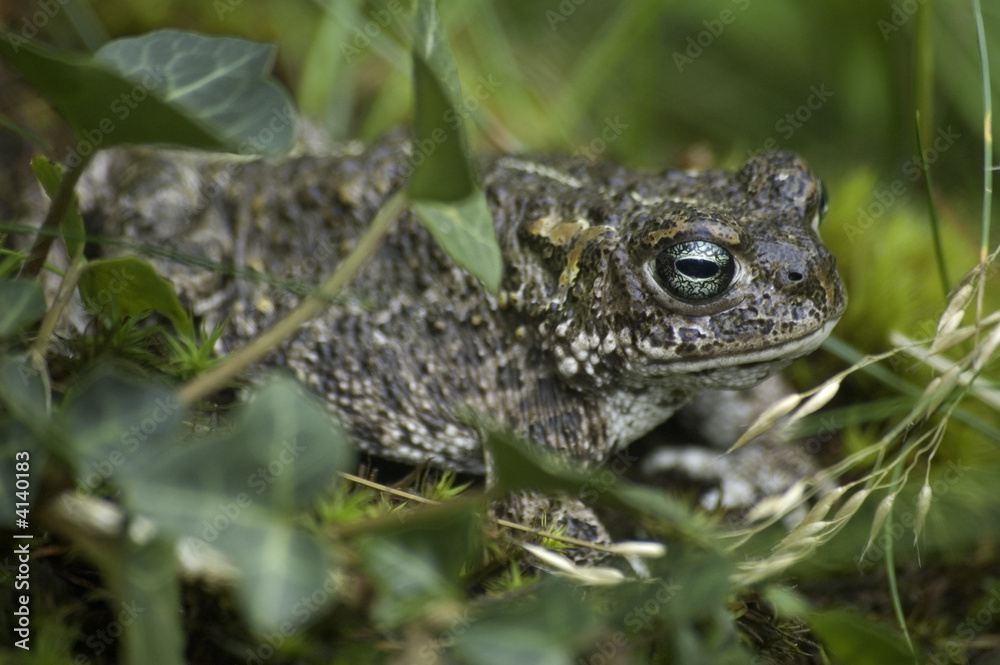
984 63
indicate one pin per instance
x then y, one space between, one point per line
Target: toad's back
623 294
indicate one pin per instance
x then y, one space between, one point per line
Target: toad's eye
695 271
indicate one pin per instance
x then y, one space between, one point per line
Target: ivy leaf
163 87
548 627
24 390
465 230
235 491
445 195
419 560
22 302
219 81
283 451
112 420
149 602
50 176
130 286
441 171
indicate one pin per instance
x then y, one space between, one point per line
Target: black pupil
695 271
697 268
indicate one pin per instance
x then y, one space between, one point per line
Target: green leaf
50 176
465 230
286 579
419 560
24 395
131 286
548 628
430 46
282 571
442 186
23 389
22 302
786 601
149 604
236 491
222 82
114 420
163 87
851 638
441 171
284 450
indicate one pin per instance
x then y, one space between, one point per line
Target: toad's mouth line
785 351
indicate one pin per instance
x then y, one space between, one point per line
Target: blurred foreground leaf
548 626
150 593
22 302
419 560
235 492
851 638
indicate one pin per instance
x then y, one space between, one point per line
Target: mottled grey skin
584 349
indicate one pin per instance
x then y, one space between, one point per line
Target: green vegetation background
655 84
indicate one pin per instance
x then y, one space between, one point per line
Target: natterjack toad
624 294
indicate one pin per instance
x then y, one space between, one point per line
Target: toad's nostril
795 276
